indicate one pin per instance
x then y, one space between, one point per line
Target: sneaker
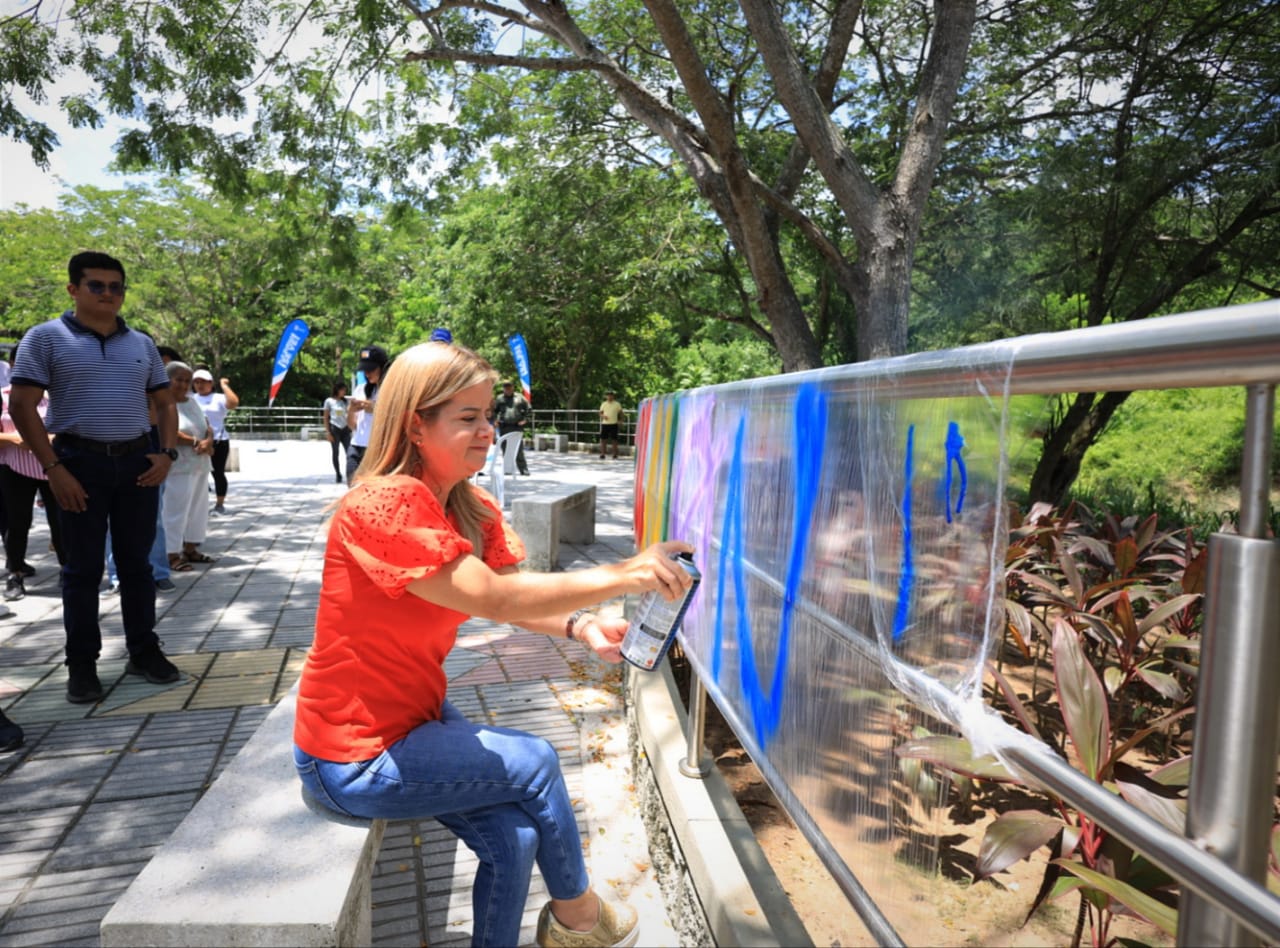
165 585
111 589
617 926
13 588
5 611
83 686
11 736
153 666
219 509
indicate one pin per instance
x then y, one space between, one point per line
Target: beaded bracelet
573 621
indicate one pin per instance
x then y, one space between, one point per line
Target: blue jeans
115 499
500 791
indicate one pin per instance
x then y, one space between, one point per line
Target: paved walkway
95 790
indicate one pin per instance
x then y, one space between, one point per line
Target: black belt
109 448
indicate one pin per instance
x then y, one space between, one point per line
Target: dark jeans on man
521 464
221 449
341 440
113 497
19 493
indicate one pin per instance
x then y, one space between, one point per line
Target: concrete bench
551 442
546 516
255 862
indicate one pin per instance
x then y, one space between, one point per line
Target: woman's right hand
655 568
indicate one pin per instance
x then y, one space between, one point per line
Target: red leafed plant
1114 606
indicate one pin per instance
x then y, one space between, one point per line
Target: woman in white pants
186 508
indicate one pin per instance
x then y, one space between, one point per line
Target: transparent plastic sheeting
851 543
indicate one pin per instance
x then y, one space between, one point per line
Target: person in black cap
373 364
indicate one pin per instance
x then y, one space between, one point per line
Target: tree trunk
882 313
1067 441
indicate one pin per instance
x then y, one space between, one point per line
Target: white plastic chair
497 479
498 463
509 445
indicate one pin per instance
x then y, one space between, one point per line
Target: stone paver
97 789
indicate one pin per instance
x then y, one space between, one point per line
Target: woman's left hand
603 635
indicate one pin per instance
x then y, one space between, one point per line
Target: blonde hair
420 381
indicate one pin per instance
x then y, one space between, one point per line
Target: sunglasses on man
98 288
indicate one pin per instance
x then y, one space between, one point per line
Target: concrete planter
551 442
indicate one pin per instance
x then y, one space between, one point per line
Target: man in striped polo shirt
103 468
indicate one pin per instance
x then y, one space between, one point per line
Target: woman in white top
216 407
186 511
336 431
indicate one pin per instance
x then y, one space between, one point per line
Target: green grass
1184 444
1176 453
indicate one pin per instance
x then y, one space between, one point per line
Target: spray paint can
654 624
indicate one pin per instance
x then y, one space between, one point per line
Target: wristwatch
172 452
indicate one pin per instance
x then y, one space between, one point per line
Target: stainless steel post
1255 469
1233 767
696 764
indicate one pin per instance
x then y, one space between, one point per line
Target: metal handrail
1212 348
581 426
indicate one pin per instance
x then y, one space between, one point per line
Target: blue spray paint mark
907 577
810 446
730 542
955 458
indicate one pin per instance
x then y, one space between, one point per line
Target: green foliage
34 249
1125 502
1176 443
1117 604
708 362
604 272
1112 162
600 270
32 57
216 280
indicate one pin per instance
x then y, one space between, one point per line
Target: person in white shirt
216 407
373 365
186 511
336 431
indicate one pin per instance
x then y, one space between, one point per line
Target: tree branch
443 54
849 183
939 82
